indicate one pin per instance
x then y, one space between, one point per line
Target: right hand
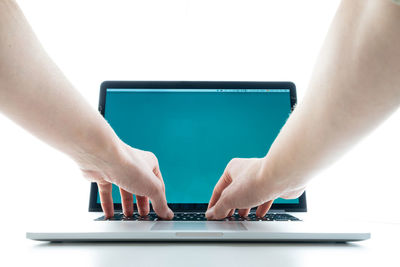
136 172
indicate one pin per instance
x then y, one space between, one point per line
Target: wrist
99 148
279 177
265 175
272 179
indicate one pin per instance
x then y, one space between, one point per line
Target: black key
198 216
116 217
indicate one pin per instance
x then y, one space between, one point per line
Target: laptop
195 129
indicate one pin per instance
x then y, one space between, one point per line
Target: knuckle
235 161
232 162
92 176
156 171
152 156
293 194
227 177
155 189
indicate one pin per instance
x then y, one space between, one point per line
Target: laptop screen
195 132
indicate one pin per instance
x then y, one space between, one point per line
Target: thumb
159 202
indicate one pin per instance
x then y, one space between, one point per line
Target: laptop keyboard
199 216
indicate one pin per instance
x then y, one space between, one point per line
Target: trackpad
198 226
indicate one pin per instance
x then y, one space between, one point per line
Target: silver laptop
195 128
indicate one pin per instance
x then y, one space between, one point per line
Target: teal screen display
195 132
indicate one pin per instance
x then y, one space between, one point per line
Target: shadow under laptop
203 253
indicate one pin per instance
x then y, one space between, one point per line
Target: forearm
35 94
355 86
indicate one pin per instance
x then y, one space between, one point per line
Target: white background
92 41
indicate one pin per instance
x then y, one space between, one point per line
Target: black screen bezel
96 207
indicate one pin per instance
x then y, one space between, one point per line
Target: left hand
245 184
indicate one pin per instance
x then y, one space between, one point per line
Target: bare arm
354 87
35 94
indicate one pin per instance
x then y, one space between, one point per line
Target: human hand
136 172
244 184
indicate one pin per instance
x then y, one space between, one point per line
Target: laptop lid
195 129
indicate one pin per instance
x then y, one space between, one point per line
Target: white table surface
383 249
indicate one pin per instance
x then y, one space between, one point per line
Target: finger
222 183
231 212
159 202
127 202
157 172
222 208
105 192
143 205
263 209
243 212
